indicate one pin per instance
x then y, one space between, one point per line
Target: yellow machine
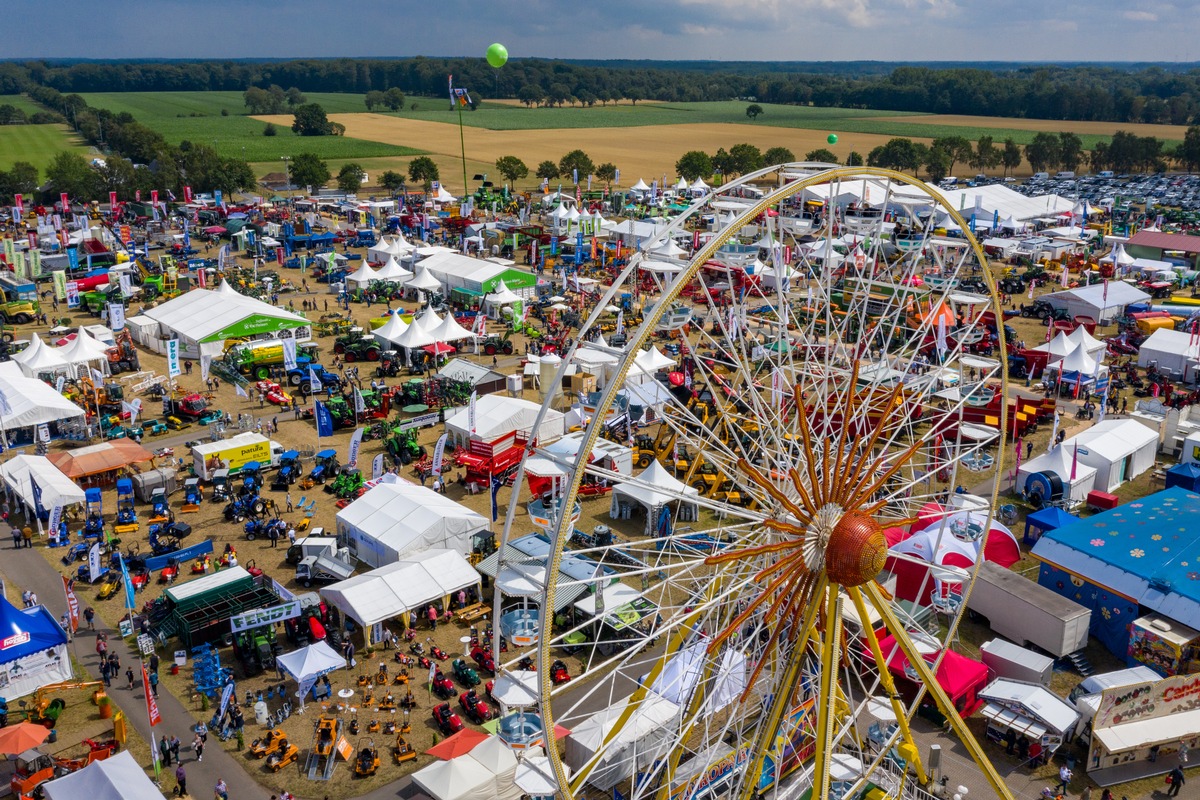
403 751
269 744
367 762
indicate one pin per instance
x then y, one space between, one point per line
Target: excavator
46 711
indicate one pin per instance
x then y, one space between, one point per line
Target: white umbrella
560 307
558 298
610 308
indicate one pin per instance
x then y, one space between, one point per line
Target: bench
472 613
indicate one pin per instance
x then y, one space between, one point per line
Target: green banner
18 265
35 264
9 251
60 284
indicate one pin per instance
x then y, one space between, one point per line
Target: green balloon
497 55
831 138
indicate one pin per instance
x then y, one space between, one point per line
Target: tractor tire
489 349
295 379
258 508
644 461
700 486
379 373
1044 315
250 537
262 373
508 348
4 321
7 338
21 319
339 348
373 354
349 356
307 583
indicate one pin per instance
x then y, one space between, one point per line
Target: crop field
37 144
21 102
237 135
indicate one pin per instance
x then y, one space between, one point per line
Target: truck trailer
234 453
1028 613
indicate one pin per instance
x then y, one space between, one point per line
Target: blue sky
799 30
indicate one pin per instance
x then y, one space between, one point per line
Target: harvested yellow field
1168 132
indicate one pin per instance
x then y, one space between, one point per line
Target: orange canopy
99 458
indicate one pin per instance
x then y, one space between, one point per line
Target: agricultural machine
220 485
192 495
93 526
498 344
127 518
326 465
160 507
347 484
404 447
289 470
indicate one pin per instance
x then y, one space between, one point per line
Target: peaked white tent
21 471
647 364
427 321
498 758
1118 449
225 289
643 739
414 336
682 186
363 275
39 358
699 185
653 488
309 663
497 416
1118 256
396 520
392 271
1059 347
31 401
640 186
390 331
1078 365
84 349
450 331
117 778
1090 344
386 248
668 249
1058 462
457 779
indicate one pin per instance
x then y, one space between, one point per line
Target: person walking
180 781
16 537
154 683
105 673
164 749
198 747
288 501
175 745
129 676
221 790
432 614
1064 778
1177 781
274 534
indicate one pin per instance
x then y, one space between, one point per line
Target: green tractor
356 347
498 344
347 484
404 447
341 412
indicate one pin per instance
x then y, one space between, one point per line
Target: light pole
287 167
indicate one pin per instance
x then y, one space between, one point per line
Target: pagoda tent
647 364
423 281
1090 344
392 271
450 331
40 358
362 276
119 777
82 351
1059 347
387 333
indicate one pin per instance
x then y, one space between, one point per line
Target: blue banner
73 257
37 496
496 484
218 198
180 556
324 420
578 248
129 599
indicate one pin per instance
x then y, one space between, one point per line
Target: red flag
112 201
20 204
151 700
187 194
202 278
72 603
1105 298
137 195
1074 461
279 255
66 204
154 197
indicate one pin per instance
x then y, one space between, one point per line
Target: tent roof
460 369
1038 701
497 415
56 488
957 673
1060 346
311 662
83 348
201 314
117 778
1049 518
402 513
1058 461
391 330
31 400
640 186
99 458
503 295
423 280
33 630
392 271
414 336
654 713
1165 340
1078 361
654 487
1113 439
39 357
1146 550
651 361
450 331
364 274
407 585
457 779
495 756
1119 293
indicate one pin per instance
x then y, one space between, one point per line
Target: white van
1104 173
1038 177
1063 176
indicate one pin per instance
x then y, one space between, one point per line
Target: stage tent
119 777
397 590
309 663
1172 352
1119 449
1122 562
395 520
653 489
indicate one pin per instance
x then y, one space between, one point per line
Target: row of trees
1108 93
738 160
273 99
11 115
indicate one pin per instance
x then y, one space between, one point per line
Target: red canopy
960 677
437 348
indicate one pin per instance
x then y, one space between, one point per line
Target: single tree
310 120
1070 150
423 170
350 178
957 148
778 155
393 98
295 97
855 159
374 98
270 130
512 168
1043 151
547 170
745 158
530 94
694 164
70 173
392 181
1188 152
985 155
753 110
576 163
607 172
1010 156
823 155
21 179
937 164
309 170
722 163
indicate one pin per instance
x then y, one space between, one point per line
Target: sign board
1143 701
145 644
265 616
344 749
125 628
423 421
181 658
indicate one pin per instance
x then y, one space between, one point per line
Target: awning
1149 732
1014 721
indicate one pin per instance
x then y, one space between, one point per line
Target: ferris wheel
789 404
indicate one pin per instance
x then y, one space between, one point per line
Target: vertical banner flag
173 358
439 452
187 194
377 467
776 388
129 596
35 263
205 366
116 316
93 562
324 419
471 412
56 522
125 283
154 197
314 383
20 205
355 446
360 405
151 700
43 429
496 484
112 203
289 353
941 336
64 203
72 603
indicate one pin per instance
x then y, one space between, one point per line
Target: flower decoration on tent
1156 537
1136 505
1097 543
1137 552
1194 576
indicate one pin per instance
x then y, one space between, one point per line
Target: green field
37 144
20 101
239 136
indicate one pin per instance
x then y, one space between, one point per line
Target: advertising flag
324 419
496 484
314 383
377 467
173 358
241 391
289 353
205 366
439 452
471 412
64 203
129 596
112 202
355 446
116 316
19 202
154 197
93 561
72 603
151 700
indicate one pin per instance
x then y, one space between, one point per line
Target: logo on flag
72 603
324 419
355 446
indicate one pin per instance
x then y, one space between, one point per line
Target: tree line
1081 92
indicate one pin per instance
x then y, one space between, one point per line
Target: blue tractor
160 507
252 478
127 518
326 466
93 526
192 494
289 470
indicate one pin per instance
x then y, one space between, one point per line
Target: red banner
279 255
202 277
151 700
137 195
154 197
20 204
187 194
72 603
66 204
112 201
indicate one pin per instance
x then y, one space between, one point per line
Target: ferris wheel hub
857 550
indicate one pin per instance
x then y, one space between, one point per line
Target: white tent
668 249
497 416
362 276
390 331
1118 449
414 336
427 320
1118 256
39 358
643 738
450 331
1079 363
681 675
682 186
224 289
392 271
203 319
1058 462
503 295
647 363
117 778
21 471
1171 351
456 779
309 663
498 758
386 249
1098 301
443 196
640 186
653 488
423 281
401 588
84 349
31 401
1059 347
395 520
1090 344
699 185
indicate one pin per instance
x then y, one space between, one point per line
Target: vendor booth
32 402
203 319
308 664
1024 709
39 483
461 778
1134 723
1056 475
1127 561
1102 302
1186 476
655 490
1048 519
394 520
118 777
961 678
33 650
497 416
1166 646
99 464
1172 352
399 589
1118 449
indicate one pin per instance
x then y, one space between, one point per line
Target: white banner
94 567
173 358
116 316
355 445
125 284
941 336
55 519
438 452
471 412
43 432
265 616
205 366
377 467
289 353
360 405
226 697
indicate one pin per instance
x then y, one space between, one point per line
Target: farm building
1156 244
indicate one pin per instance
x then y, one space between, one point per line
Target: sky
774 30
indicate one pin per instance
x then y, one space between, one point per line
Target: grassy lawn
37 144
20 101
196 116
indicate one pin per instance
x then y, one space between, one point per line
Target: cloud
1140 16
